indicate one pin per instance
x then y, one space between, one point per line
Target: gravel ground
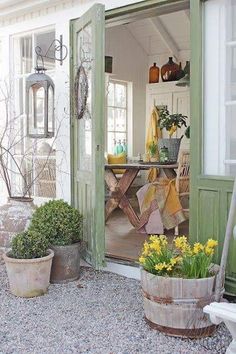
99 314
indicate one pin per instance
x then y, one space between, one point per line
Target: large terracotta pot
28 277
15 217
175 305
66 263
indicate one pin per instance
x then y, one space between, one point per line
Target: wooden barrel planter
175 305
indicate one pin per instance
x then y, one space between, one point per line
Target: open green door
87 127
210 194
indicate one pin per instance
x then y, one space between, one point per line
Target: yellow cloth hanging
153 134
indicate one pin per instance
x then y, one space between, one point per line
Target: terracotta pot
28 277
66 263
15 217
175 305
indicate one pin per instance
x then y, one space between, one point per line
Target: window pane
120 137
23 54
120 95
44 41
120 119
111 119
110 96
111 143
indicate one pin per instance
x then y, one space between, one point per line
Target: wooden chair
182 183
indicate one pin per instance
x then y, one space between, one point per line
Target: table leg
118 197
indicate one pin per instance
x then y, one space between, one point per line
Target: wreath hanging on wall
81 92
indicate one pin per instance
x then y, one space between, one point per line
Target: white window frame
129 116
16 77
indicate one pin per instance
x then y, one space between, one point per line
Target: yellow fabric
117 159
163 194
153 134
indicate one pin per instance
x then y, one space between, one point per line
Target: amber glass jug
154 74
169 71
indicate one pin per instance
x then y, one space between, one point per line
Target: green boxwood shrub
28 245
60 223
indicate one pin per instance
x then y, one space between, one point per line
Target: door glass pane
84 75
230 137
231 73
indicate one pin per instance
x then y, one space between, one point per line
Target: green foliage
28 245
153 149
59 222
170 121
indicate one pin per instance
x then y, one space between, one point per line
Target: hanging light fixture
40 95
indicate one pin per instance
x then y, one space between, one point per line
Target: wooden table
119 187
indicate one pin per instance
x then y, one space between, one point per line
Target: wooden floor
124 242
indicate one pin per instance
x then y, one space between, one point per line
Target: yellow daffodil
211 243
209 251
142 260
160 266
146 249
163 240
197 248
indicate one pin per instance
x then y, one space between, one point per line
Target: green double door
87 128
210 195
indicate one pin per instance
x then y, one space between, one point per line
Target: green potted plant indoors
178 280
62 225
171 122
28 264
153 150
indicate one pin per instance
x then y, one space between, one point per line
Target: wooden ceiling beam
169 42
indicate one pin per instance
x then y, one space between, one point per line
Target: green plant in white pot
62 225
28 264
171 122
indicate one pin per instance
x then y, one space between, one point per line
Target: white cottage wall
19 19
130 63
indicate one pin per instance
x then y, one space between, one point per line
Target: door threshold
121 267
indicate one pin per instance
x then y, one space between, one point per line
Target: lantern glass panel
50 110
36 110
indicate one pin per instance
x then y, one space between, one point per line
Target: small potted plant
153 152
171 122
28 264
178 280
62 225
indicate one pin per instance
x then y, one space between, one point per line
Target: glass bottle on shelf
181 72
187 68
119 148
169 71
154 74
124 145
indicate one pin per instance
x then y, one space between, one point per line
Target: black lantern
40 104
40 93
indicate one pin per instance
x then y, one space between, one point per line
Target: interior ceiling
169 33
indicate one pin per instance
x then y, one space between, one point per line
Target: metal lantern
40 104
40 93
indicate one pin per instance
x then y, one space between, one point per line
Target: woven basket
173 145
